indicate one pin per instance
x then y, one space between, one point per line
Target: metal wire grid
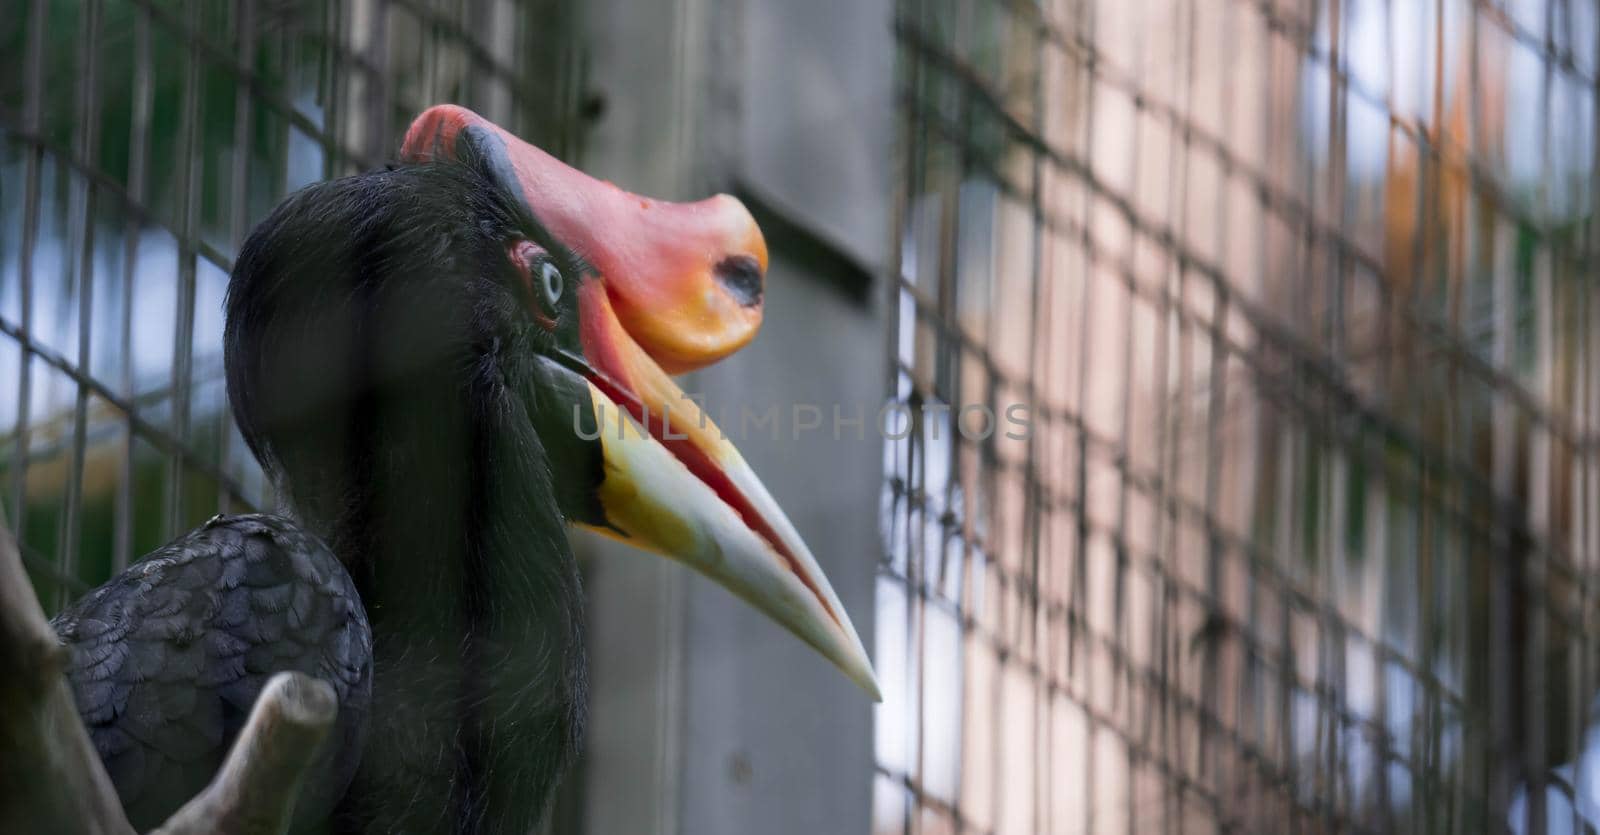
1306 532
139 141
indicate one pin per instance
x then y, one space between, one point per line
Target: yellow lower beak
653 501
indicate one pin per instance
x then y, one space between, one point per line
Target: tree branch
254 793
51 779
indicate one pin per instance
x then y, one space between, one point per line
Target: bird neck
442 508
449 526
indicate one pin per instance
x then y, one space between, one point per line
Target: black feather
157 660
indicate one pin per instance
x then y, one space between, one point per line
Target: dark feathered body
400 414
166 660
380 369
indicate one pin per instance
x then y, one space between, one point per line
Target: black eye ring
551 282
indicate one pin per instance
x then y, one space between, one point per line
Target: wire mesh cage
1300 301
139 142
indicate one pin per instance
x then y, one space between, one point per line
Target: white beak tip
869 683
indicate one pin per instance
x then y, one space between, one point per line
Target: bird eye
551 282
541 279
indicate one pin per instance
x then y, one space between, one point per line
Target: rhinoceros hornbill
442 365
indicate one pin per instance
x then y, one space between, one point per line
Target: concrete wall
706 717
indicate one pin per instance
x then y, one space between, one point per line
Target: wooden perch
255 791
51 779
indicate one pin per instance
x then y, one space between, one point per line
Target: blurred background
1301 295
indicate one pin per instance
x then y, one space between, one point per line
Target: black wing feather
167 658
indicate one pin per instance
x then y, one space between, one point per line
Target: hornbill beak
676 286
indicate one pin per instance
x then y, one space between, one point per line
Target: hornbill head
582 298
